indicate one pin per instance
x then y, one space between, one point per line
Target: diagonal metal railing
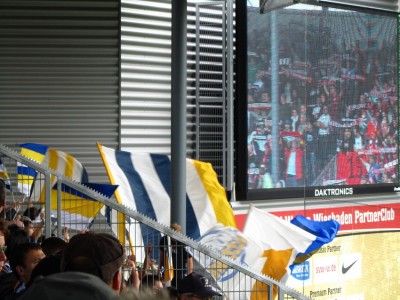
55 202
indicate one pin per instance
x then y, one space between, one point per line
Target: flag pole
178 113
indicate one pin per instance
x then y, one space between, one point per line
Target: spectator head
2 194
100 254
173 293
152 281
16 237
196 285
69 285
144 294
47 266
24 259
28 225
176 227
31 212
53 245
3 234
266 97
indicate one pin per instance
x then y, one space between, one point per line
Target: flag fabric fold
63 163
233 244
169 267
77 209
286 244
4 175
26 175
144 185
268 245
324 231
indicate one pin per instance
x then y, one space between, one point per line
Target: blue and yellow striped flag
26 175
65 164
4 175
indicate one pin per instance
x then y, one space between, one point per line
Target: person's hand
86 230
65 233
152 263
16 205
131 261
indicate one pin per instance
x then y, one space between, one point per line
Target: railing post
59 224
47 211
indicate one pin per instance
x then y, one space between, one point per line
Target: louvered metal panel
59 76
146 76
210 83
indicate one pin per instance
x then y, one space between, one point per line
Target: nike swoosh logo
346 269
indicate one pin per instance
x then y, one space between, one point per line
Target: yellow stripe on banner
53 165
121 228
76 205
25 179
216 193
120 217
70 166
32 155
4 175
53 159
109 173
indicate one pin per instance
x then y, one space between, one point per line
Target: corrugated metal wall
146 76
146 80
59 76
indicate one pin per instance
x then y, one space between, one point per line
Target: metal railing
73 205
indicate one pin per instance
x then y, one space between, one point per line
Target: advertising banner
362 262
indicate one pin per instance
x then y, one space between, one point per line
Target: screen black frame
243 193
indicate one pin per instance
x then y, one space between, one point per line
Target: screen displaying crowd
336 109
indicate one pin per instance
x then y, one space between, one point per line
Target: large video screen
321 94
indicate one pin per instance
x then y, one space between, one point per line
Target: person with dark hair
47 266
34 230
195 286
294 164
173 293
23 260
145 294
182 261
2 197
152 281
4 265
16 237
70 285
31 212
53 245
99 254
324 138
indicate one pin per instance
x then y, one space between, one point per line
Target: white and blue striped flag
144 184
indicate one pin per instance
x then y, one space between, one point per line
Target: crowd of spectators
338 109
89 265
